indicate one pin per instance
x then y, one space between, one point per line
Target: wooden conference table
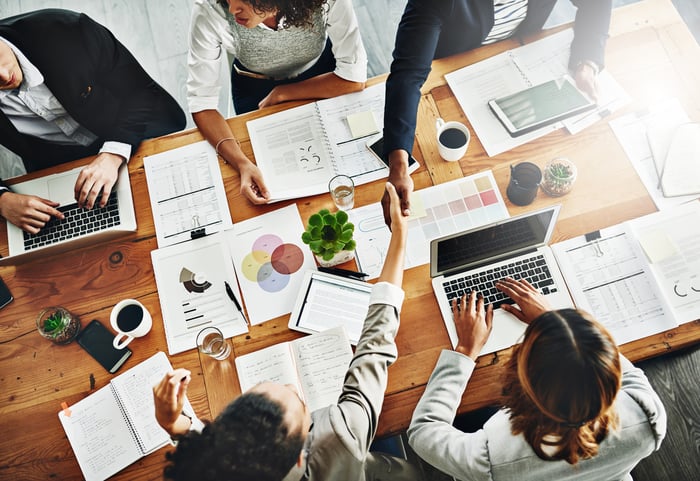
650 52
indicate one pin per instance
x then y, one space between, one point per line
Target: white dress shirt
281 54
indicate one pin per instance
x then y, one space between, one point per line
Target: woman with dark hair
573 407
283 50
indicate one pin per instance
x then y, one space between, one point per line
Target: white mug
452 139
130 319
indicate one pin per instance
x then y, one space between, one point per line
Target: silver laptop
81 227
477 258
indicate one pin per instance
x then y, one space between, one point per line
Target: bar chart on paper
436 211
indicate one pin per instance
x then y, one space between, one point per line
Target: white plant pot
339 258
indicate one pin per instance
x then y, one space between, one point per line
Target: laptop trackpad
61 188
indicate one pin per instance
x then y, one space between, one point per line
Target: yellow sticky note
417 206
362 124
657 245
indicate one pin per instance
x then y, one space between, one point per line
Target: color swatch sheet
436 211
271 261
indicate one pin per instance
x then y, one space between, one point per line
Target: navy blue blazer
96 79
432 29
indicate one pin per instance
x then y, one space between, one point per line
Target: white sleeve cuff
117 148
387 293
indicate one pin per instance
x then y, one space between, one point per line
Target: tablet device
539 106
326 301
377 148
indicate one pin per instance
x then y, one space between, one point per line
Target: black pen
229 291
343 272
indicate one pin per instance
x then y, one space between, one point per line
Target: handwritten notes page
315 365
116 425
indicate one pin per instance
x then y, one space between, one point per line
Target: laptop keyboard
533 269
77 222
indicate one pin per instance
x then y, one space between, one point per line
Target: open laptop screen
487 244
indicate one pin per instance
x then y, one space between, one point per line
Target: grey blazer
337 447
494 453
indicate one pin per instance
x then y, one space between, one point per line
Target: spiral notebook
299 150
116 425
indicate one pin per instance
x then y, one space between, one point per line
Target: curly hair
296 13
562 382
249 440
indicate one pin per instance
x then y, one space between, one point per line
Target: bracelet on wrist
218 144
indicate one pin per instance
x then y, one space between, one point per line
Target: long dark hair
561 383
296 13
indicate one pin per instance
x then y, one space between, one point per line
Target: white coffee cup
130 319
452 139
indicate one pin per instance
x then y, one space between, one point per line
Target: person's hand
402 182
398 220
100 175
531 302
586 78
473 322
252 184
28 212
169 396
273 98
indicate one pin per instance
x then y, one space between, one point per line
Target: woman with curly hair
573 407
283 50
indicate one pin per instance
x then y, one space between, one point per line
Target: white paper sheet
671 242
631 132
191 277
610 278
186 192
271 260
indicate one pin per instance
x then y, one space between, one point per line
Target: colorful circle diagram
271 262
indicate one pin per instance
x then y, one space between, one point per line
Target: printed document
637 278
299 150
187 193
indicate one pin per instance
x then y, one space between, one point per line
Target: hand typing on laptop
28 212
474 319
98 176
530 301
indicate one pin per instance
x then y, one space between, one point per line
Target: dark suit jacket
96 79
437 28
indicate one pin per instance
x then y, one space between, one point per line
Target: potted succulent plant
559 176
329 236
58 325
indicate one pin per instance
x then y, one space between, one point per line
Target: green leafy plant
327 234
53 322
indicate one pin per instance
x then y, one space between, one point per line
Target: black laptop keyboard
533 269
77 222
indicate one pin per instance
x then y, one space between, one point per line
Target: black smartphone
5 295
97 340
377 148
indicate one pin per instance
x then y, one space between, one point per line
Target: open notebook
116 425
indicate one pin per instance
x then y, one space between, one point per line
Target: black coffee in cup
129 317
453 138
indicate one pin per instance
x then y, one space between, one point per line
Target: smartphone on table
377 148
5 294
97 340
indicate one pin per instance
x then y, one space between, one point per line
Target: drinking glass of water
342 190
211 341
